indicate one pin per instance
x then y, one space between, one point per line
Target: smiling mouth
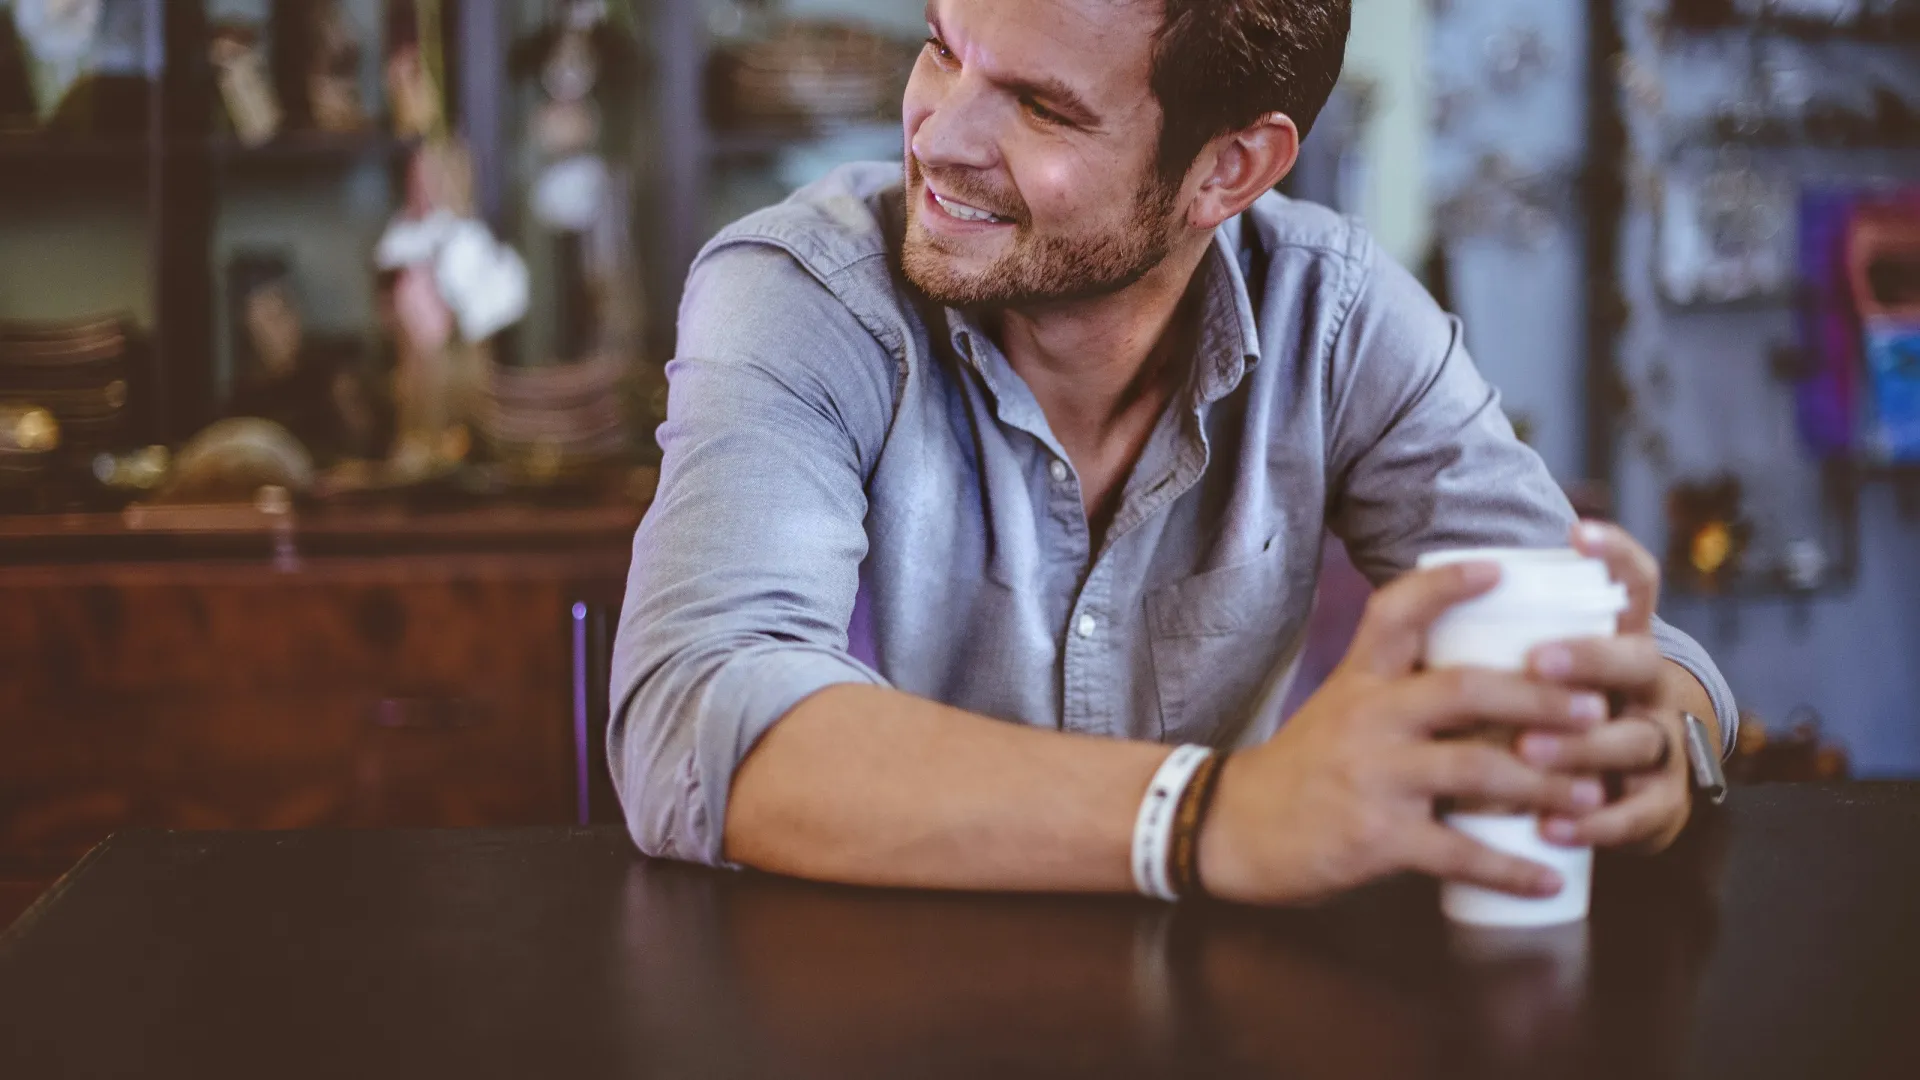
960 211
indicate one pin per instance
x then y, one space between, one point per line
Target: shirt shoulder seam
887 336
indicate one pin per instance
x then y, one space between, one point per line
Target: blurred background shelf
26 151
730 146
312 149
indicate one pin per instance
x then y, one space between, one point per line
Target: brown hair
1219 65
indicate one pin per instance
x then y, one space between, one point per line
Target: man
982 485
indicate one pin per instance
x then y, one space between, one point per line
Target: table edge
11 937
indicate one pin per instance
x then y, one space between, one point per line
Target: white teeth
962 210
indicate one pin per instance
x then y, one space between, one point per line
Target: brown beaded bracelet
1183 852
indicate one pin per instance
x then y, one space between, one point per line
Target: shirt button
1059 471
1086 626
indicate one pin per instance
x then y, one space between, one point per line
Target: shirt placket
1091 641
1094 637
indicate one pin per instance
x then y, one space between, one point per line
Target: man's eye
940 50
1041 112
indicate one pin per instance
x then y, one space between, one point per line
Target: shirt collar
1229 341
1229 338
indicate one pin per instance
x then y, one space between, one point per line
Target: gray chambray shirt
857 488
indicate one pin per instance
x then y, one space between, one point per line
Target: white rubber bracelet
1153 829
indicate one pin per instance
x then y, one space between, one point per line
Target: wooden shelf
311 148
1900 31
725 145
191 531
44 162
30 149
55 159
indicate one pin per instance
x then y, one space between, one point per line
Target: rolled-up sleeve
1421 457
746 567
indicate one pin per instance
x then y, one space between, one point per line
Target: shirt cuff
742 702
1687 653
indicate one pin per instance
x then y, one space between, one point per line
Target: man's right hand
1344 794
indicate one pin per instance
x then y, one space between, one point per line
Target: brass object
1708 534
1711 547
34 429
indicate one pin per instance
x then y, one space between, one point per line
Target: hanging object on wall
1516 58
1826 386
1707 534
1883 259
1883 18
1726 233
1520 207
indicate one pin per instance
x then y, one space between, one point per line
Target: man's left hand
1644 746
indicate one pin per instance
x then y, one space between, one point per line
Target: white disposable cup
1543 596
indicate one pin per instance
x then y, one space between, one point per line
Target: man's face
1032 138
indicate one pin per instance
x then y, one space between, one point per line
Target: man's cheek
1054 189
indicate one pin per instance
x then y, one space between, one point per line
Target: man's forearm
869 786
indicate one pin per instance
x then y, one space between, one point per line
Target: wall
1520 290
1853 655
1388 49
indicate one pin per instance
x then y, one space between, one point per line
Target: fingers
1631 744
1478 772
1455 856
1629 564
1632 665
1392 634
1460 698
1650 816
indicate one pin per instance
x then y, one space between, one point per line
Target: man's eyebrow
1062 98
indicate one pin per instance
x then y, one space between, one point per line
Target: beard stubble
1040 269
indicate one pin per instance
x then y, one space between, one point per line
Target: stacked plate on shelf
70 375
811 75
28 438
555 423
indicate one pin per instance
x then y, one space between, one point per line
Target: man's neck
1103 370
1090 363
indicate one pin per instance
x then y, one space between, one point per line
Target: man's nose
957 132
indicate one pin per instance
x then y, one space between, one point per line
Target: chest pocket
1222 638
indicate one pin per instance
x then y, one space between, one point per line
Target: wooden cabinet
434 687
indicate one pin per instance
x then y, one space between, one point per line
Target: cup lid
1534 578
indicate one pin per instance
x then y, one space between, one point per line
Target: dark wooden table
1781 940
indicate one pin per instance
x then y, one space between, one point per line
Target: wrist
1685 692
1224 870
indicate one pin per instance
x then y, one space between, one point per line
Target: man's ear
1241 166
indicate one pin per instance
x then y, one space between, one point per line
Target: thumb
1393 632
